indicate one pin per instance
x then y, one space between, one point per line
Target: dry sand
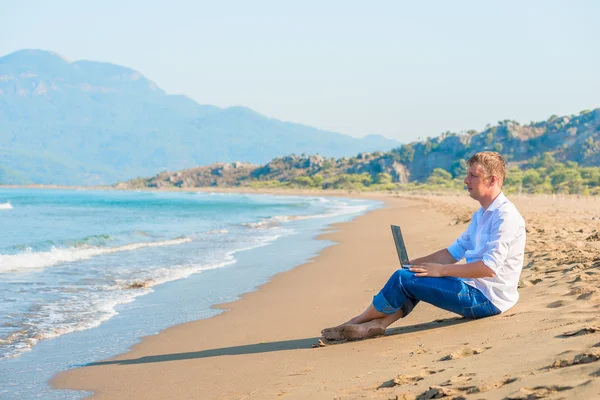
547 346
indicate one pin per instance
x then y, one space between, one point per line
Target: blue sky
401 69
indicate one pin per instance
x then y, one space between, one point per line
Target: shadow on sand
295 344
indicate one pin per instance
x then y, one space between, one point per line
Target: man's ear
493 180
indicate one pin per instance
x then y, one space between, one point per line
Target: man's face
477 183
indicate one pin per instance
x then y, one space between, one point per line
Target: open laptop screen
400 247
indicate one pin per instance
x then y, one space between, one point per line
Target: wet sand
548 345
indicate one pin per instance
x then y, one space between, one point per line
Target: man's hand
442 256
429 269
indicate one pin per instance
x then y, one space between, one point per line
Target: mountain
86 122
574 138
560 155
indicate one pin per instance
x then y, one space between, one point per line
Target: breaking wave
30 260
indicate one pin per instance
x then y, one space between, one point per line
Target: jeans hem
382 305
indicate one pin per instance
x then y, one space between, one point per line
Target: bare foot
334 333
366 330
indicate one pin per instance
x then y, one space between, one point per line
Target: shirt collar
498 201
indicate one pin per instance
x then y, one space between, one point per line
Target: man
493 245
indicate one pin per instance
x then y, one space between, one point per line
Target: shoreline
259 348
226 308
349 193
300 246
233 190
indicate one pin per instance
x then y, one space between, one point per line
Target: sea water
84 274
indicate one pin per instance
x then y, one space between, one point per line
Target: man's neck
487 201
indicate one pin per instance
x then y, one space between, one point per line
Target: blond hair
492 162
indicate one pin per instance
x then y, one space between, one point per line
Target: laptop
400 247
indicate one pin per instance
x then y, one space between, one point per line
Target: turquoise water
85 274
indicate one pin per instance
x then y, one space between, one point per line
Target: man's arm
439 257
475 269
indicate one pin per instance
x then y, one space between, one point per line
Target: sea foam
30 260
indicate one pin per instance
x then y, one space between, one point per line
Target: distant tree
514 178
498 147
407 154
440 176
458 168
365 178
590 146
327 165
545 160
571 164
382 178
349 181
567 179
428 147
591 175
531 178
317 180
544 187
303 181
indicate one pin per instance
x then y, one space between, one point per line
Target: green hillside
560 155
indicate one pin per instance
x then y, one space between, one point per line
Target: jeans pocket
480 310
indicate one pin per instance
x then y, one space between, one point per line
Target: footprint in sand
458 380
463 383
556 304
588 296
580 290
486 387
583 358
420 350
408 379
464 352
584 277
581 267
426 371
401 380
593 238
538 392
528 283
405 396
583 331
585 292
437 392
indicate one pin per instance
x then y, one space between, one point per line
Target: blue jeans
404 290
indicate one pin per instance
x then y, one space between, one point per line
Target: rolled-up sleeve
460 246
505 230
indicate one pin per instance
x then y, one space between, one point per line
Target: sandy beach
263 346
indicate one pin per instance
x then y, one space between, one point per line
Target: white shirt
495 236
